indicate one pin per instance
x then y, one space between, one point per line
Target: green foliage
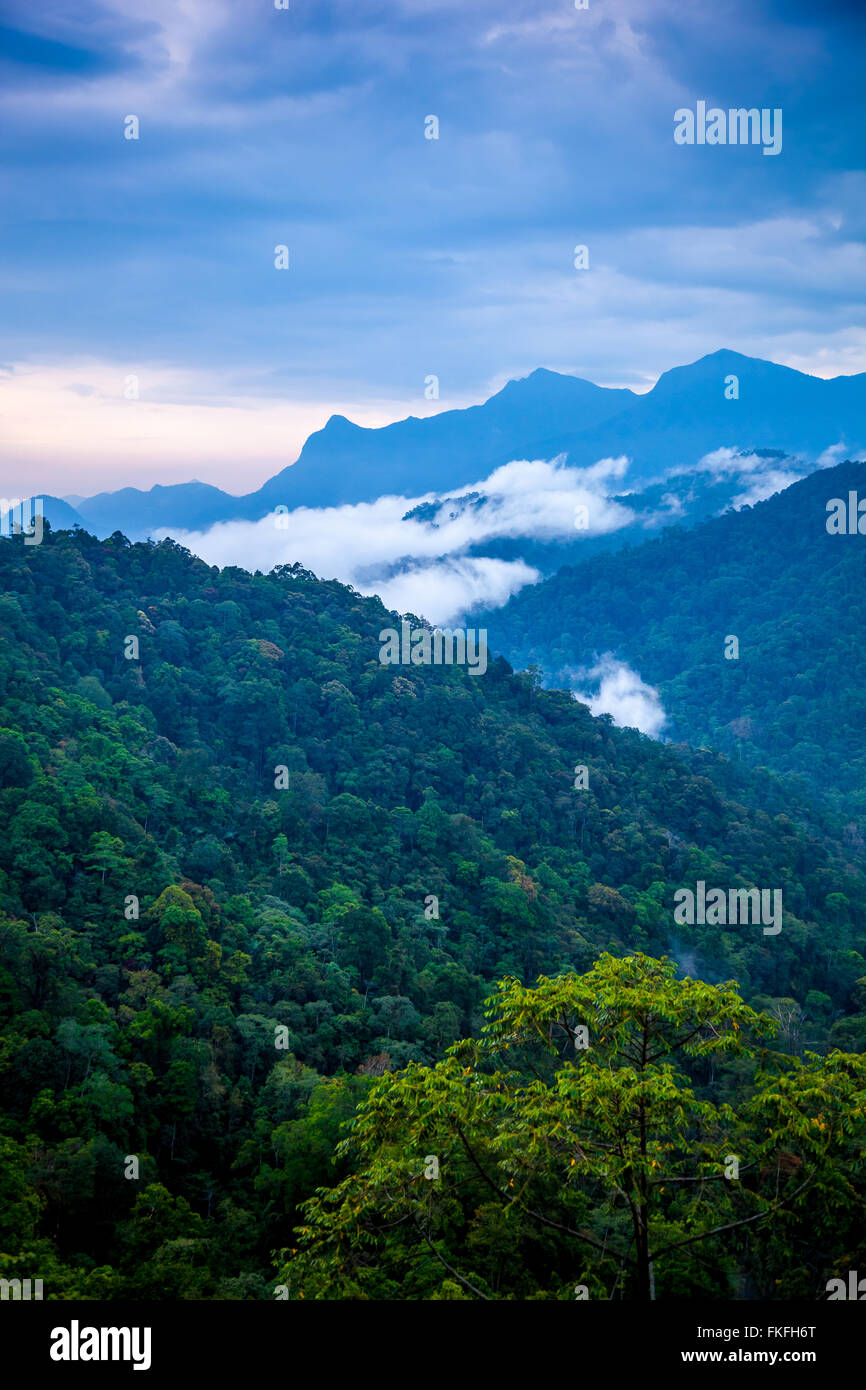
207 972
599 1158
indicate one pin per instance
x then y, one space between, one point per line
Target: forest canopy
250 877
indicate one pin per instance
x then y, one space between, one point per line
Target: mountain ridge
543 415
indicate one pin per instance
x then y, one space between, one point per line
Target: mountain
687 415
55 510
347 463
246 867
683 417
344 462
771 575
137 513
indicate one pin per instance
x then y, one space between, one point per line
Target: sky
146 335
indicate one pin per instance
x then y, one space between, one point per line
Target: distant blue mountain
687 415
55 510
348 463
188 506
684 416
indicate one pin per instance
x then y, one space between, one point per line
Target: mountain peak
713 366
336 424
544 379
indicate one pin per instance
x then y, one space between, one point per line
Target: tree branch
717 1230
451 1270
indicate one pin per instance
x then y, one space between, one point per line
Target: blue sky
408 257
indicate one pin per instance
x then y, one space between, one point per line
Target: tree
15 768
180 923
569 1135
363 940
105 853
281 848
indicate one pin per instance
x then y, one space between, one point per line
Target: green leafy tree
105 853
570 1135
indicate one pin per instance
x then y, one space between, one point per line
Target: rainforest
234 1031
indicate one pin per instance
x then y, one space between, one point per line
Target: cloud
765 485
622 694
835 453
537 499
421 564
411 257
729 462
445 591
763 475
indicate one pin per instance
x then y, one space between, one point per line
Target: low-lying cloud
762 475
421 564
622 694
451 587
425 555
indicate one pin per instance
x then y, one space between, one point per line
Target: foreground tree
567 1151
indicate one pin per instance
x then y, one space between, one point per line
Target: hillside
771 575
166 908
